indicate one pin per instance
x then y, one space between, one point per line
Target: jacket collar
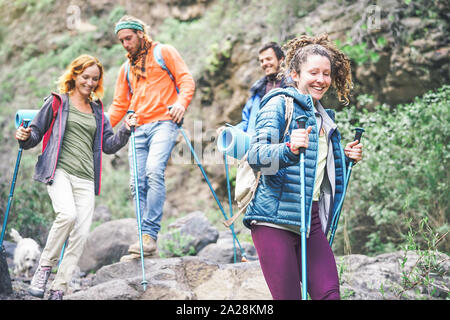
304 101
259 87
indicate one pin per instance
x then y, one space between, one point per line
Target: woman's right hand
22 133
299 139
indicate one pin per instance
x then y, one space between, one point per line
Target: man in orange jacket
146 88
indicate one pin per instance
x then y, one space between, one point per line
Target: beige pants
73 200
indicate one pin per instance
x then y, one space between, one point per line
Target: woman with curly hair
70 165
315 65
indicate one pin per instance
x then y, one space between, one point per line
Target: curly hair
300 48
66 82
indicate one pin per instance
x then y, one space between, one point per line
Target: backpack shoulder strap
160 60
288 113
56 105
127 75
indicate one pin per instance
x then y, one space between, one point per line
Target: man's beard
272 76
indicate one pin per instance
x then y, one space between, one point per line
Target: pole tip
144 284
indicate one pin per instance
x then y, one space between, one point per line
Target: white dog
26 254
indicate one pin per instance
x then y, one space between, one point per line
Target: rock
382 277
223 250
183 278
107 243
9 247
5 279
187 278
187 235
101 214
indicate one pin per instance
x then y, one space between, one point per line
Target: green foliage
215 60
360 53
115 193
32 5
218 22
31 211
421 276
177 245
404 173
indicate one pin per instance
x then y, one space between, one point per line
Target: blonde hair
299 49
66 83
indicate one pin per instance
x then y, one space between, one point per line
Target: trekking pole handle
179 124
301 123
132 128
358 133
26 123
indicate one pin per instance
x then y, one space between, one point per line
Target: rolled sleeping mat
25 115
233 142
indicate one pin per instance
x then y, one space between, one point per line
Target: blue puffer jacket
277 199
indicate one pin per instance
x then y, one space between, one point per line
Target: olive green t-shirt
77 151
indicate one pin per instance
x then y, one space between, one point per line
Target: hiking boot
134 256
148 245
55 295
129 257
39 281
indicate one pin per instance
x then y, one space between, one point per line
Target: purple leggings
279 253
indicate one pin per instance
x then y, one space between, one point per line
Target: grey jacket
105 140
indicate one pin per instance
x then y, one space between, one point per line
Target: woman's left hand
353 150
131 120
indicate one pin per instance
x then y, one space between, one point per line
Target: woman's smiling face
314 77
87 81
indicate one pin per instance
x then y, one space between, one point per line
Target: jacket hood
303 100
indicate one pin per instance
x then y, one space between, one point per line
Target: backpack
159 59
247 180
56 105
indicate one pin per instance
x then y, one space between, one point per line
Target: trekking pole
13 185
230 204
61 256
138 209
301 123
197 161
334 222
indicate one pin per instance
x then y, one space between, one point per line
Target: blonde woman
70 165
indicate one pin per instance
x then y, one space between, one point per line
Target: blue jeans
154 143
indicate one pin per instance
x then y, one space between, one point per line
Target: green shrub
31 211
404 173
